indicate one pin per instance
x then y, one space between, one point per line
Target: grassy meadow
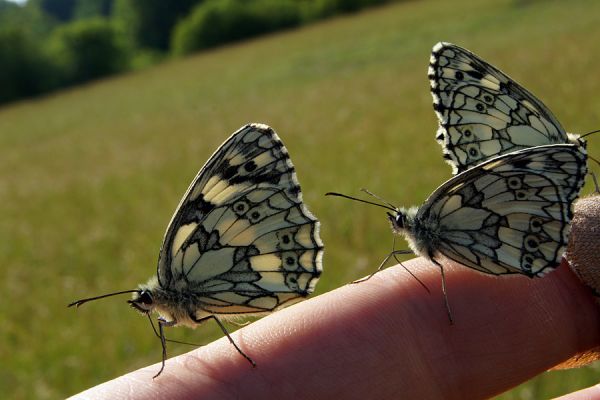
90 176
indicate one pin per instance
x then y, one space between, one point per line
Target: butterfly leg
393 254
161 324
200 320
597 188
406 269
444 289
168 340
240 324
382 264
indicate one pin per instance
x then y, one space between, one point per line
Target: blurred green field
91 176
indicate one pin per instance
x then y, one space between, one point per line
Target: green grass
91 176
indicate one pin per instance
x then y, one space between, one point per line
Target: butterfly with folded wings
241 241
510 214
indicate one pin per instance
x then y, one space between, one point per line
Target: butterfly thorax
422 235
175 306
577 140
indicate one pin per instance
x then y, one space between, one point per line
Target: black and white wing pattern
483 113
241 241
510 214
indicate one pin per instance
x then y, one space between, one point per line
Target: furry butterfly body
241 241
483 113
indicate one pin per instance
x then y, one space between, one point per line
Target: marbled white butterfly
241 241
508 215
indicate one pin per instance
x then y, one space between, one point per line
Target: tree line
50 44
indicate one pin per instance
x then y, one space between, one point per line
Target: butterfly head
147 297
401 219
142 301
396 220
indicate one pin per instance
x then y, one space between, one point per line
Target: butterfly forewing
508 215
241 239
482 112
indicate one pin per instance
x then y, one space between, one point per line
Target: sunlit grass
91 176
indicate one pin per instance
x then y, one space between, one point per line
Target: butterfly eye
459 76
488 99
143 302
480 107
145 297
467 133
397 220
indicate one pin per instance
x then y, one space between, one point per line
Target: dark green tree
28 18
24 70
88 49
61 10
92 8
148 23
220 21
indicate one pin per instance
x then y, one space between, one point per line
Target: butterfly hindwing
482 112
241 239
508 215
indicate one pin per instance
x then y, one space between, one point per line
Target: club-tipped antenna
384 201
589 133
83 301
386 206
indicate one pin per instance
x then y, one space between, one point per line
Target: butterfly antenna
83 301
589 133
386 206
367 191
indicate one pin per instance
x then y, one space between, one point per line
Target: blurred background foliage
50 44
90 176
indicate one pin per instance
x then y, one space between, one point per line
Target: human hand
388 338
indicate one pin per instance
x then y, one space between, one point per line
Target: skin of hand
388 338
